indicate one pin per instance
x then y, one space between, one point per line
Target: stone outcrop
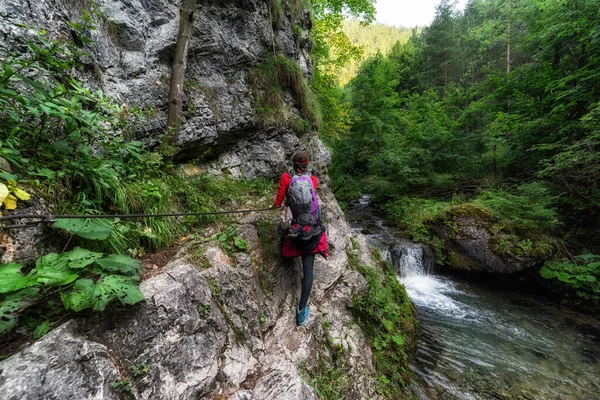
222 329
471 244
64 365
132 55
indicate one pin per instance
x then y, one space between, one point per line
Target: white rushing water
479 342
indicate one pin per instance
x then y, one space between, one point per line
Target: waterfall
409 260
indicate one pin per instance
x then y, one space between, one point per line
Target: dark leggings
308 261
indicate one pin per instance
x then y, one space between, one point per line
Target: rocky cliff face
223 328
131 60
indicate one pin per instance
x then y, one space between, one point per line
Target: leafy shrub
519 223
530 209
82 278
582 275
385 315
414 215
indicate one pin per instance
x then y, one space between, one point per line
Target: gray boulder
64 365
470 242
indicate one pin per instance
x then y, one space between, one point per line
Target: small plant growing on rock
139 369
122 384
204 311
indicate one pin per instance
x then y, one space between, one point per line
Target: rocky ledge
219 326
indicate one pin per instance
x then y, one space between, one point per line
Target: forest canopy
503 97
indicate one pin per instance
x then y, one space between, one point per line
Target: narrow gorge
214 323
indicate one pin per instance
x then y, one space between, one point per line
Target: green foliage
519 220
528 210
499 96
581 275
96 229
53 128
139 369
270 79
81 278
330 381
415 215
371 39
123 385
204 311
385 315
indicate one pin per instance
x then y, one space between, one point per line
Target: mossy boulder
473 240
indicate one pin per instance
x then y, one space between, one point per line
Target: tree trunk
186 22
508 52
508 57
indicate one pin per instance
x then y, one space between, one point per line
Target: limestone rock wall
224 328
132 55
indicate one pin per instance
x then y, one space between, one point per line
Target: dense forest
496 107
371 39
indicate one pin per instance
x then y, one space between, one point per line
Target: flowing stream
478 342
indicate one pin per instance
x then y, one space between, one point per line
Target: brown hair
300 161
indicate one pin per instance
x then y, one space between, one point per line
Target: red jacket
288 248
284 184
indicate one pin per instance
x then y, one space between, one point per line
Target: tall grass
270 80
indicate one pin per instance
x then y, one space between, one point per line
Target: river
481 342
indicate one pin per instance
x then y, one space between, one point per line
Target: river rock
468 241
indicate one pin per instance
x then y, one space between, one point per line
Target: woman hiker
305 236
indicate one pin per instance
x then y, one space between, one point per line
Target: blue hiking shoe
302 316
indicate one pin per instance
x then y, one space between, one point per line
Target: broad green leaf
564 277
81 298
547 273
53 270
240 243
12 280
11 305
124 288
96 229
8 177
586 257
586 278
55 277
46 173
80 258
41 330
52 261
120 264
